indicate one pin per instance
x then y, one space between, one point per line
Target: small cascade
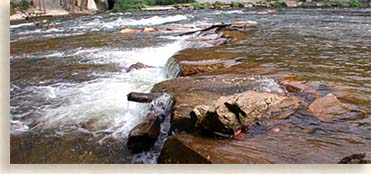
171 68
162 107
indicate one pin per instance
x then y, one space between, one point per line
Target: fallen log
142 97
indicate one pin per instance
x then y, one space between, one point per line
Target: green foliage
279 3
236 4
24 5
129 5
355 4
170 2
206 5
218 4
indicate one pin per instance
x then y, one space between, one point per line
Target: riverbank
218 5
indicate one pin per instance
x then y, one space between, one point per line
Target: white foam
103 100
21 25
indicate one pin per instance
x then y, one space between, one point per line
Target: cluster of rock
216 96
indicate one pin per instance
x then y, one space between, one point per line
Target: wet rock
137 66
243 24
130 30
328 108
178 28
177 152
192 69
231 113
358 158
143 136
295 86
198 90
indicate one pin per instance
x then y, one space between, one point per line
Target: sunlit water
327 46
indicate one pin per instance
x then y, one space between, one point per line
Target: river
69 84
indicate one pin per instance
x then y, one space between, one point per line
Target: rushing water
72 79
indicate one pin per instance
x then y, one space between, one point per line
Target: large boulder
144 135
198 90
231 113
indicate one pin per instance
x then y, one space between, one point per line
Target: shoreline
273 5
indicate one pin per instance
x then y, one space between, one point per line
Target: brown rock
231 113
244 24
129 30
177 152
328 108
178 28
137 66
198 90
295 86
192 69
143 136
148 30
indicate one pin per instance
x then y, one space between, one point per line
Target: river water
69 84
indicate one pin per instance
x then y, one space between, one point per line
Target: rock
137 66
294 86
176 152
248 5
143 136
288 146
291 3
198 90
231 113
178 28
358 158
328 108
129 30
192 69
149 29
244 24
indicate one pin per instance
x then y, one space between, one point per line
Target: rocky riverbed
284 87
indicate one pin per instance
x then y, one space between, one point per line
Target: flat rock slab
299 139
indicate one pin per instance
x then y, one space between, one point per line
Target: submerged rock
329 108
231 113
137 66
143 136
